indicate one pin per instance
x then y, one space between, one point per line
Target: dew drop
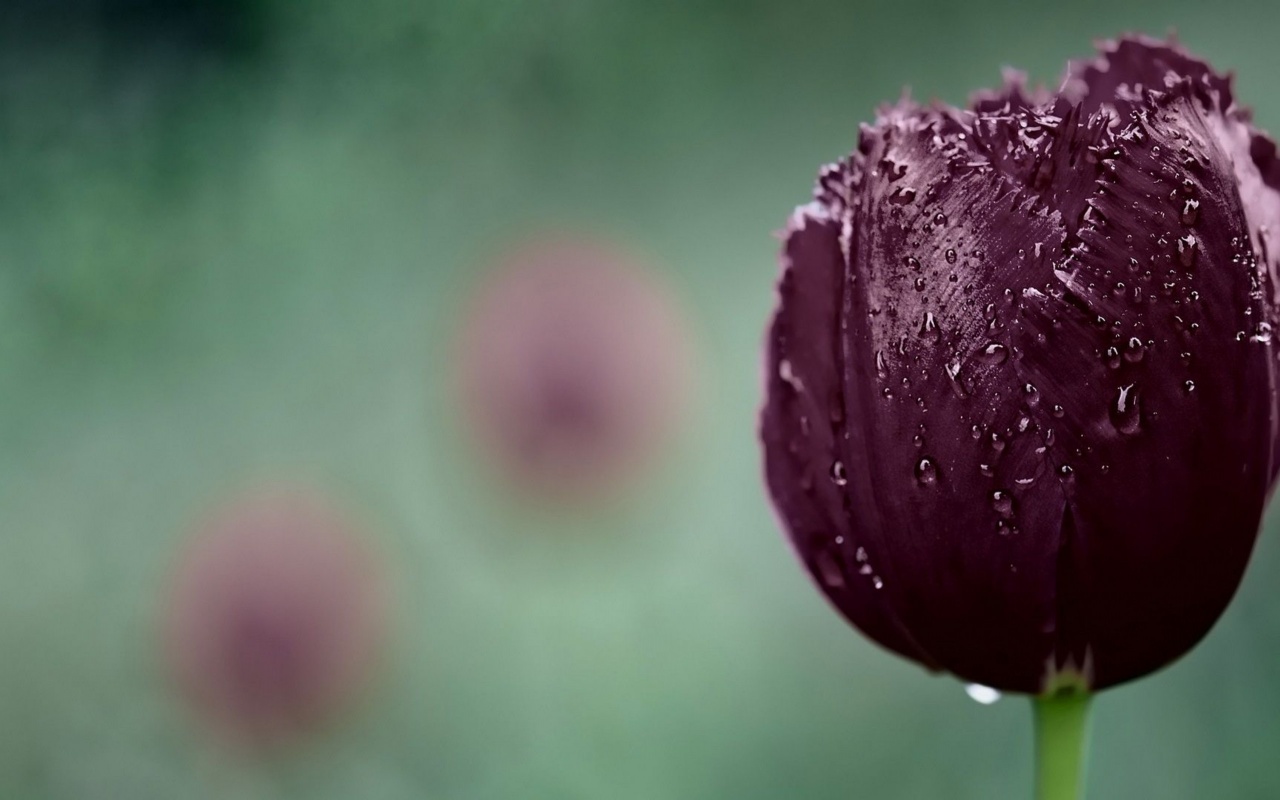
1002 503
1031 394
829 570
993 353
1189 386
881 369
1113 357
952 369
1190 210
951 255
902 196
1187 250
1262 333
920 284
838 475
1059 411
929 327
912 262
786 373
1134 350
939 219
926 472
1125 413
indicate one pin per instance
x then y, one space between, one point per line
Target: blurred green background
234 239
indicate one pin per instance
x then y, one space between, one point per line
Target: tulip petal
802 426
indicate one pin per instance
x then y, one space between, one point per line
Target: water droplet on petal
1002 503
929 327
902 195
838 475
1112 357
1190 210
786 373
1126 415
951 255
829 570
1187 250
1134 350
993 353
926 472
1031 394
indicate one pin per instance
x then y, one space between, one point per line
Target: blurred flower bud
575 367
275 616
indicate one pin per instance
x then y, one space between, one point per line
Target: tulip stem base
1062 728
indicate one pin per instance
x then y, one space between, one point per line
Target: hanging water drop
984 695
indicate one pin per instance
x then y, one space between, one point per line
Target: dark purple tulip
274 618
1020 414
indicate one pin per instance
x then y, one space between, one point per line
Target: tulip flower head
1020 416
274 619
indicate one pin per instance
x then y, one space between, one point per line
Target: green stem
1062 724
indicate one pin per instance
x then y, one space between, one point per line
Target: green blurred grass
249 268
